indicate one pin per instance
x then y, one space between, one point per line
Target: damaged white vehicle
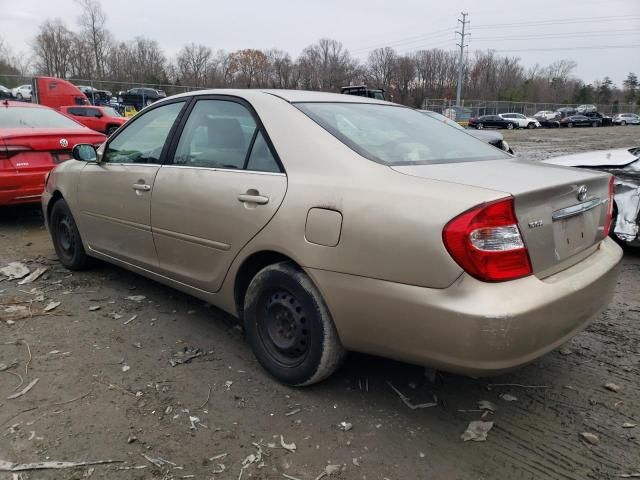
624 165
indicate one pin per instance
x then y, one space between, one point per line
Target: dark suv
140 97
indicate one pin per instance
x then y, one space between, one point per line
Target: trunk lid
560 222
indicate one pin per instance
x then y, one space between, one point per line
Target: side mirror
85 152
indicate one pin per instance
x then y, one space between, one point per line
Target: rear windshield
27 117
395 135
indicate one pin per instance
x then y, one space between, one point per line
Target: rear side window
218 134
261 159
396 135
76 111
29 117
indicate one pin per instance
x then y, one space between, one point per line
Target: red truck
101 119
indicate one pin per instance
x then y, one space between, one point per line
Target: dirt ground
106 389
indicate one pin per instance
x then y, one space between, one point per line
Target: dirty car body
624 164
330 223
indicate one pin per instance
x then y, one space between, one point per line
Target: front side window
143 139
112 112
35 117
218 134
396 135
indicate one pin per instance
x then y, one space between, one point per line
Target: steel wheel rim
283 329
66 239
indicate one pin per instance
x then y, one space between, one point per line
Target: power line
464 22
416 38
615 18
594 47
561 35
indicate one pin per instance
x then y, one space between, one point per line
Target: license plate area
576 233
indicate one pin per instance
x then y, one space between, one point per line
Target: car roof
11 103
292 96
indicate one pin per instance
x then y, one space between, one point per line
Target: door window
93 112
77 111
143 139
261 159
218 134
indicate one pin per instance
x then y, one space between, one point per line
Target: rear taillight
486 242
607 223
11 150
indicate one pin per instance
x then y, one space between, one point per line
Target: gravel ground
106 389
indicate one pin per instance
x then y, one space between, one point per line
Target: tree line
91 52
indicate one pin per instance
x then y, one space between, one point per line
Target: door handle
253 198
141 187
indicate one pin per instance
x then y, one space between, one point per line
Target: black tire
531 125
509 126
570 125
111 130
289 327
19 96
623 123
594 124
66 238
148 102
479 126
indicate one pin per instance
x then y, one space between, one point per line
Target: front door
115 194
219 188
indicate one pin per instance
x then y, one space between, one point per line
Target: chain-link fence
476 108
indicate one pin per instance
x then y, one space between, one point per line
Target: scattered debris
477 431
194 421
629 475
408 403
487 405
186 355
590 438
507 397
290 477
565 351
132 438
158 461
218 457
127 322
328 471
126 368
15 271
24 390
629 425
228 384
292 412
94 308
290 447
33 276
612 387
207 400
50 306
355 461
218 468
21 467
345 426
136 298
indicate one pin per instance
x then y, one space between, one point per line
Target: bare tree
193 64
248 67
92 21
381 65
53 48
325 65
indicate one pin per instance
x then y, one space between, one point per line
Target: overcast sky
407 25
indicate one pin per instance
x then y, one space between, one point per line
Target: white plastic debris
612 387
477 431
486 405
33 276
590 438
94 308
507 397
126 368
136 298
15 270
24 390
51 305
290 447
345 426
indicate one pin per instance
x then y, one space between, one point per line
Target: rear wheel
289 327
148 102
19 96
480 126
531 125
594 124
623 123
66 238
110 130
509 126
570 125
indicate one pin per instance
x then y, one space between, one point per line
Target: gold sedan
329 223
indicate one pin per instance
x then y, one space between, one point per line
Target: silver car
626 119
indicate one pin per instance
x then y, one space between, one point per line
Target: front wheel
66 238
111 130
289 327
623 123
594 124
531 125
148 102
19 96
480 126
570 125
509 126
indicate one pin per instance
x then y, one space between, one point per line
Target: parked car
522 120
492 138
492 121
5 92
580 121
605 120
546 114
549 122
626 119
330 223
141 97
566 112
586 108
22 92
100 119
33 140
624 163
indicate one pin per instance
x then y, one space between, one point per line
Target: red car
33 140
100 119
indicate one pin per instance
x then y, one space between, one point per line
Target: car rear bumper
21 188
472 327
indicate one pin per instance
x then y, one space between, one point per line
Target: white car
547 114
23 92
626 119
522 120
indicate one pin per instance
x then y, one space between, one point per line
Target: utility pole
462 34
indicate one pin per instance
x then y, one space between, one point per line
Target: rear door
221 185
115 194
93 119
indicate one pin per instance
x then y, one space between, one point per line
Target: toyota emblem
582 192
64 143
